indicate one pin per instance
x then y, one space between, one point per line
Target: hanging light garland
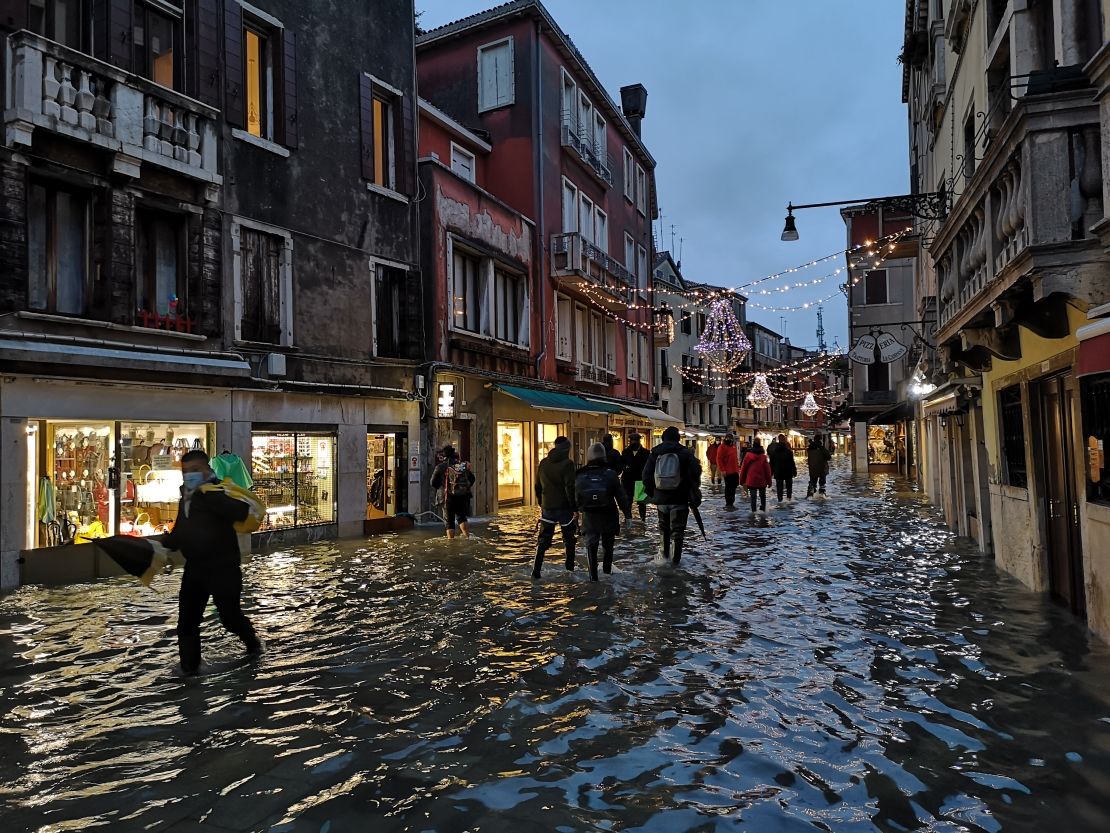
810 406
760 395
723 343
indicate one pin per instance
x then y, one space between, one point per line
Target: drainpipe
537 174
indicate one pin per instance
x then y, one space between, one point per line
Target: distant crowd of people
589 500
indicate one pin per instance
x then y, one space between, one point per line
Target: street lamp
930 206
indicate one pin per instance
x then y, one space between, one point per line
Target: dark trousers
816 483
224 583
672 526
607 540
786 483
761 491
564 519
731 482
642 505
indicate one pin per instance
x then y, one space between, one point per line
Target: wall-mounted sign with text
882 347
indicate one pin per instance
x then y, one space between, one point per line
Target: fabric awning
654 414
946 398
901 412
1094 348
549 400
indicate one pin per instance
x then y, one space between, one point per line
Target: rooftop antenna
821 328
681 240
672 238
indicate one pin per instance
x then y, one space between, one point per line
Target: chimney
634 104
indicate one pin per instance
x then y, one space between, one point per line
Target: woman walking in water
755 474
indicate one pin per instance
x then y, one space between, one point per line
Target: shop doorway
386 478
1052 402
510 463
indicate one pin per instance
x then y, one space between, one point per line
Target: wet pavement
843 665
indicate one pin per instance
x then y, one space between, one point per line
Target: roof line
453 126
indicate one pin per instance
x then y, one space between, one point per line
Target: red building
538 202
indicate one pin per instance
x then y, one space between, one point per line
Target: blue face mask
194 480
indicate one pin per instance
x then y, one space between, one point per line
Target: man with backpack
599 498
671 479
633 460
555 492
456 479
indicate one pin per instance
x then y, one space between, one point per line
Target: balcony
592 374
578 264
57 89
662 329
583 146
1019 234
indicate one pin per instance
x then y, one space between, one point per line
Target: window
564 320
570 207
582 335
1014 471
684 323
160 288
466 292
259 76
495 75
633 363
585 119
570 104
260 283
629 176
586 217
58 250
462 162
875 287
641 267
60 20
380 116
611 346
878 376
645 357
601 143
629 253
597 339
260 82
510 308
641 190
601 230
1095 396
295 474
389 339
156 33
701 324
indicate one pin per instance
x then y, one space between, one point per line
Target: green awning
548 400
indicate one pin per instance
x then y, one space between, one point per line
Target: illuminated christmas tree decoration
723 343
760 395
810 406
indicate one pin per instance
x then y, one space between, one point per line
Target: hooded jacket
728 459
607 520
818 456
781 457
755 473
555 480
691 475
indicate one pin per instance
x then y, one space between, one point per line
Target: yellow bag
256 508
88 534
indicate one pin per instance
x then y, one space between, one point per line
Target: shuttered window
496 86
388 139
260 260
260 76
58 249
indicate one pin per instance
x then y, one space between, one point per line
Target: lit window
155 34
259 77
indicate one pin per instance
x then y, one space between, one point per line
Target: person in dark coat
633 460
599 498
555 493
456 479
675 490
612 456
205 535
818 456
783 467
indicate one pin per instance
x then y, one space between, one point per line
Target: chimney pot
634 104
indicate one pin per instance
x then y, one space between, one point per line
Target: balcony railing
54 88
575 258
581 141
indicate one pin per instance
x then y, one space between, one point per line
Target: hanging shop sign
890 348
445 400
864 350
881 346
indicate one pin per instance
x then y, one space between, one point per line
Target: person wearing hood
205 535
728 464
633 460
781 457
555 494
817 456
599 499
671 478
755 474
612 456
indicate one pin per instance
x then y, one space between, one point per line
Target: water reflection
840 665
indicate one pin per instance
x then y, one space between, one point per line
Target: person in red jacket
755 474
711 458
728 464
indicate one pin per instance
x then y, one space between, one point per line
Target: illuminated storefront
546 432
510 463
386 474
295 475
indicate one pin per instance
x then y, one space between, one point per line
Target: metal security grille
1013 438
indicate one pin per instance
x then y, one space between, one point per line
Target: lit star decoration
761 396
810 406
723 343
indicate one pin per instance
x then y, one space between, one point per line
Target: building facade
174 275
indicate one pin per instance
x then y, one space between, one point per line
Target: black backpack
594 491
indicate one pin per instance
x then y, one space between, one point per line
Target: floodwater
842 666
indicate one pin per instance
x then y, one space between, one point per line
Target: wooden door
1059 501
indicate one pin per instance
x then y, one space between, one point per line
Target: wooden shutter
287 131
487 79
120 51
206 52
366 124
234 65
13 14
406 147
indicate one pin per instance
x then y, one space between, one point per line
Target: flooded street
841 665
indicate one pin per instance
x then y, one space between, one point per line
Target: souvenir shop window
546 432
386 467
150 464
73 501
510 462
295 475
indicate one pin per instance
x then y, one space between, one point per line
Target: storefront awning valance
549 400
74 354
1094 348
653 414
901 412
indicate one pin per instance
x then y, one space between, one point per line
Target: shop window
73 495
60 20
467 291
1095 394
386 486
878 376
257 46
388 299
875 287
160 267
263 278
495 75
546 433
510 463
156 36
380 122
510 308
58 249
295 475
564 318
150 457
881 445
1014 472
